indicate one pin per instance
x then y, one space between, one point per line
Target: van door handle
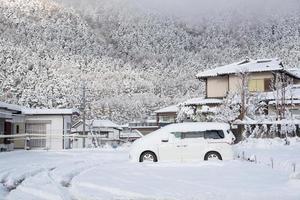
181 145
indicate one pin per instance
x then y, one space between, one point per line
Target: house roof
33 111
131 134
292 93
202 101
169 109
97 123
104 123
247 65
288 102
12 107
293 72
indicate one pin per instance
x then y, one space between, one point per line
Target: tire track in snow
66 182
10 184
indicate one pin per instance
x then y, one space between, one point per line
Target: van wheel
212 155
148 156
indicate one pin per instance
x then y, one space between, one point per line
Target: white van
185 141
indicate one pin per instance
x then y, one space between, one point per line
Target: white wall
217 86
54 129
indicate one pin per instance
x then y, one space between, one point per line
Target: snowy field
108 174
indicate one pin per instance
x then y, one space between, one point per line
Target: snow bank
295 175
3 191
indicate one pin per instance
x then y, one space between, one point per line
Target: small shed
46 128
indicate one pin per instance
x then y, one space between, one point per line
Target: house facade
144 126
97 132
24 128
258 76
166 115
260 73
9 116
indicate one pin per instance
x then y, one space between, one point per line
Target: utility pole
83 107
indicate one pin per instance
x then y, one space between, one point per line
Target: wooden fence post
272 163
294 167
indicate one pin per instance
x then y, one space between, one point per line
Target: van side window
176 134
214 134
194 134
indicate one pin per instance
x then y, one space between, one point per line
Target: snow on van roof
248 65
195 126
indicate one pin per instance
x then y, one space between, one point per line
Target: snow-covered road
108 174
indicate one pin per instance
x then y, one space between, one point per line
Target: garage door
37 141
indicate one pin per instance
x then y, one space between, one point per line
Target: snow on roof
10 106
294 72
97 123
292 93
169 109
202 101
104 123
247 65
33 111
297 101
254 122
131 134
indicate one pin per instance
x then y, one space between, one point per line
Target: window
17 128
104 134
168 119
177 134
195 134
214 134
268 83
256 85
259 85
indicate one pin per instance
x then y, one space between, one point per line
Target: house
224 79
291 101
25 128
204 105
129 135
9 114
144 126
166 115
258 76
50 128
99 132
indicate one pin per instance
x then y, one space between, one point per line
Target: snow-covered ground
267 151
108 174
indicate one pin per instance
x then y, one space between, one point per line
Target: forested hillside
132 59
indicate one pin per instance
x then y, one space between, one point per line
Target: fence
32 138
271 162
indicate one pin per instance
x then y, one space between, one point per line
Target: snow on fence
272 163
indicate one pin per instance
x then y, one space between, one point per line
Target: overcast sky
194 10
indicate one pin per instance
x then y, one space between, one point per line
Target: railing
41 140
